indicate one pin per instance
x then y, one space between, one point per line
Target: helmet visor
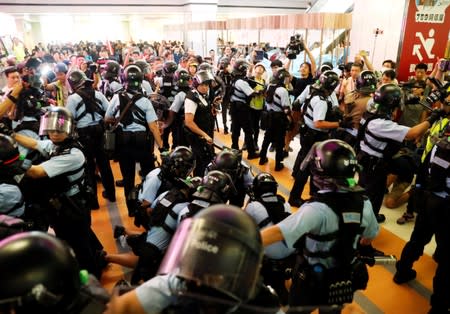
55 121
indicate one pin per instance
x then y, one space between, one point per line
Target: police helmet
202 77
57 119
133 76
328 81
10 160
264 183
281 75
169 67
181 162
39 274
112 67
215 188
220 248
333 165
143 65
61 67
205 66
387 98
182 78
366 82
240 67
77 79
227 161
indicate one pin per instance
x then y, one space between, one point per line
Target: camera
444 65
295 46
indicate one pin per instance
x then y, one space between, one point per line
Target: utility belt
372 163
280 265
327 286
91 130
140 246
137 139
239 105
306 132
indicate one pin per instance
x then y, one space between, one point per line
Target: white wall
367 16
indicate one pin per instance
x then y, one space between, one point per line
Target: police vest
349 209
167 88
134 114
237 93
203 116
439 170
274 204
392 147
331 114
165 207
90 105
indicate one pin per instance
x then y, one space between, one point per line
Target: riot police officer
111 83
88 108
224 72
320 104
199 121
202 267
57 284
11 199
137 129
60 181
267 208
241 95
380 138
278 106
323 232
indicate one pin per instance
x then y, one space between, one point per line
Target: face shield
57 120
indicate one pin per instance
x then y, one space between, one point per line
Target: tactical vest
203 116
237 93
439 170
349 208
165 207
330 115
90 103
274 204
392 147
134 114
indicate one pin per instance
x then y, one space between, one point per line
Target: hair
392 63
390 73
359 65
10 70
421 66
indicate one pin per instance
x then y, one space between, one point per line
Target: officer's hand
436 115
208 139
435 96
4 129
346 122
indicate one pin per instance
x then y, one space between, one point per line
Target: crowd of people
67 112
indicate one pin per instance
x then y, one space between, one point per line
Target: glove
4 129
435 96
436 115
346 122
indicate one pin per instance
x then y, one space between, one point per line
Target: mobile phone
259 55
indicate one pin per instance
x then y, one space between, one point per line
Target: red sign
425 34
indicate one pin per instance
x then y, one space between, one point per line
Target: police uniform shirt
10 196
317 218
157 235
146 88
241 91
178 102
382 128
115 86
74 100
191 106
259 213
320 108
281 98
22 149
142 103
150 186
159 293
61 164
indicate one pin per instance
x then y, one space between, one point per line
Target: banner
424 37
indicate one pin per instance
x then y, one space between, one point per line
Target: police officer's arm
322 124
417 130
271 235
25 141
156 134
126 303
10 100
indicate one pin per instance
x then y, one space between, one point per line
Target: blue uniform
150 186
11 200
74 100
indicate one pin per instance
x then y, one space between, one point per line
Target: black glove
436 115
346 122
435 96
4 129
